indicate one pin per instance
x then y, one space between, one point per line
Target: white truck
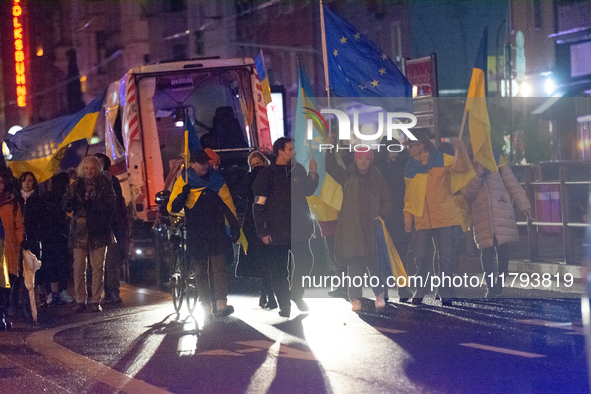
148 111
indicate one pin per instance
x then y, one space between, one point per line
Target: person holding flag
365 197
430 211
205 198
494 185
491 195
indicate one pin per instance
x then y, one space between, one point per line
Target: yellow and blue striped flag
259 63
479 122
40 148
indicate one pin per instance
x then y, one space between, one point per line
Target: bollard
532 231
567 234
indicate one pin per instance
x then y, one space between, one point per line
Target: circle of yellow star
335 52
375 83
357 36
382 71
384 57
343 40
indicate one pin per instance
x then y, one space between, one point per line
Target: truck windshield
217 104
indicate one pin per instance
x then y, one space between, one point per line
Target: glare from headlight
138 251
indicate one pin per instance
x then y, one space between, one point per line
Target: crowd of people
410 190
73 217
76 224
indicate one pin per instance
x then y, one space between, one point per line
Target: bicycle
183 281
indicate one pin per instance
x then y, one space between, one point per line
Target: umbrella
30 265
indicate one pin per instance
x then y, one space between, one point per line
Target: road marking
502 350
220 352
251 350
43 343
389 330
575 330
255 346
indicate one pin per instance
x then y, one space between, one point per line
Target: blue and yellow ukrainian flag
259 63
40 148
415 177
479 122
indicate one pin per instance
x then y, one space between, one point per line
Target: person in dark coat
391 167
92 200
365 197
200 191
36 222
118 251
252 263
55 243
284 223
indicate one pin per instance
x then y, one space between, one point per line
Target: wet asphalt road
504 345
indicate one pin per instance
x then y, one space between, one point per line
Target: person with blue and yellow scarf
205 198
430 212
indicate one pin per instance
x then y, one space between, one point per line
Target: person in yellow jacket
12 231
430 211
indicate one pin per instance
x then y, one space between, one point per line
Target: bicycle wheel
191 288
177 280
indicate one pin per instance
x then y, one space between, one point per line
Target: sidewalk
551 253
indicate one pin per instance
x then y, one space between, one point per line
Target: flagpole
462 126
460 134
325 63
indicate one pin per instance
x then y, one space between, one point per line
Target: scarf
27 194
215 181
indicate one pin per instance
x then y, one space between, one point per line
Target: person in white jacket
491 196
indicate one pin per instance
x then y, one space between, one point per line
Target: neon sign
19 54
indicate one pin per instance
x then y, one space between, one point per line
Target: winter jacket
493 216
14 231
365 196
35 217
285 215
98 210
440 209
205 220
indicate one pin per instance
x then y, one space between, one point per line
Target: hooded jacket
493 216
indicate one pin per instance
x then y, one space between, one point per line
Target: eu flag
358 68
